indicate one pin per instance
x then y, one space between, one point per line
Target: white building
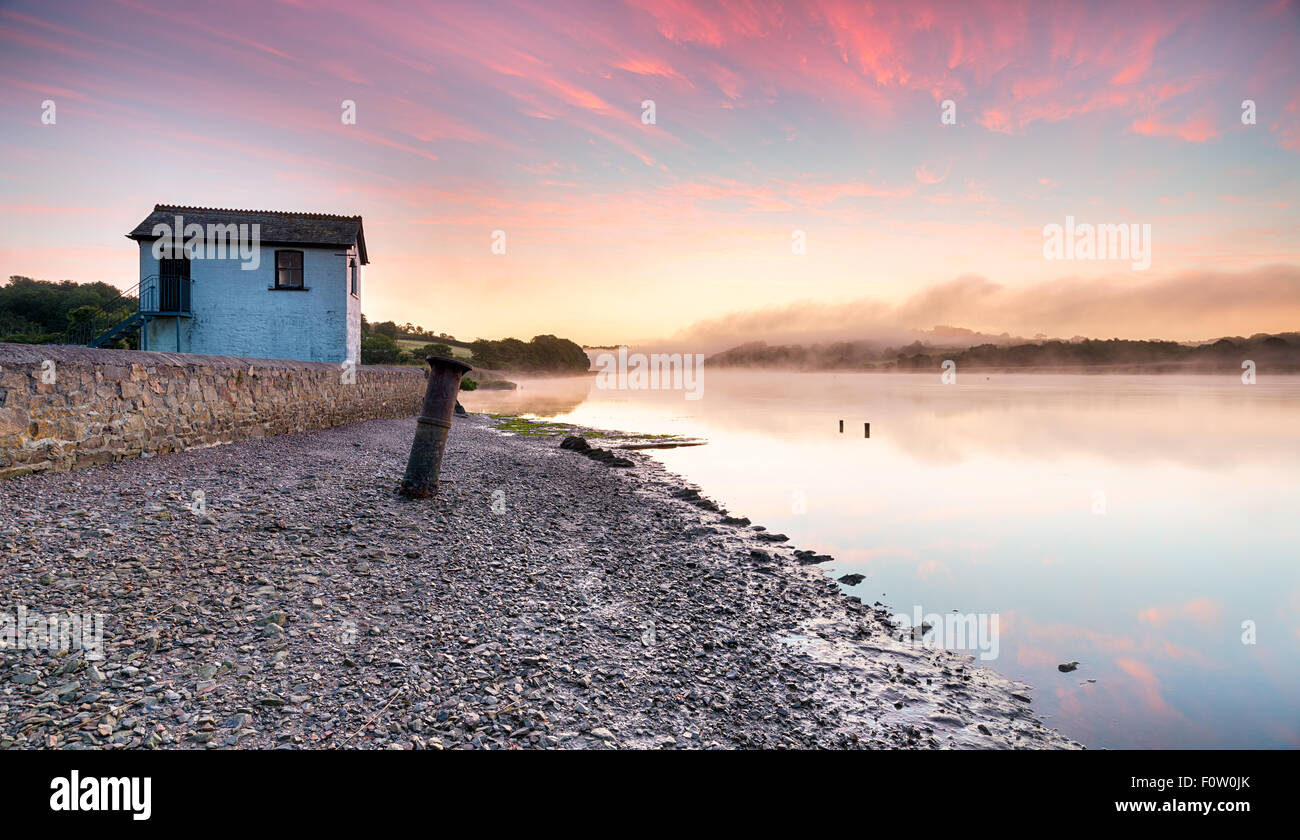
257 283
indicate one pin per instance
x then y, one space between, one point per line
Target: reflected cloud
1118 420
548 398
1149 687
1204 611
934 569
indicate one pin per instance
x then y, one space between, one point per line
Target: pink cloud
1197 129
649 66
1287 126
684 22
995 120
926 176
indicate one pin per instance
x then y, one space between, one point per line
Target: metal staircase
155 296
116 331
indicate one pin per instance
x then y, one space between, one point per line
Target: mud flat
543 600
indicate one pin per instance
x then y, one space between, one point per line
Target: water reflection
1131 523
541 398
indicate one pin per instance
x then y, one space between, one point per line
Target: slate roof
277 227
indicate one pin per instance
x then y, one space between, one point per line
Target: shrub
379 349
433 350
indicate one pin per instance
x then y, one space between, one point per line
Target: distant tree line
543 354
1281 352
839 355
407 331
1277 351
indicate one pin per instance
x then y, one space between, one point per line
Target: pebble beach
278 594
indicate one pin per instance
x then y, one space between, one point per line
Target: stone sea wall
68 407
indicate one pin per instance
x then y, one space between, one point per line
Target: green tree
545 353
432 350
379 349
40 309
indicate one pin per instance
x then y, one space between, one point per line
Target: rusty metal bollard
433 426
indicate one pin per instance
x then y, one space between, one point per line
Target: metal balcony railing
166 295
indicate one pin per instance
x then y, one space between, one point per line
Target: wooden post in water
866 430
841 427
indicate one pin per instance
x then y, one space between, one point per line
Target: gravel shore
543 600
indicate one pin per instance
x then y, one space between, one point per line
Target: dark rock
604 456
852 580
607 458
576 443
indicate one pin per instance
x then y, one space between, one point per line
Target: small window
356 278
288 269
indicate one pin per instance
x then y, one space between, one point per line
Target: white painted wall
354 306
238 313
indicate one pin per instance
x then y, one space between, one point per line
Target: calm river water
1147 527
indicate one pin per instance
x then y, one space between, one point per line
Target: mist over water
1131 523
1190 306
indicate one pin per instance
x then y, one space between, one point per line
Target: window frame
354 278
302 271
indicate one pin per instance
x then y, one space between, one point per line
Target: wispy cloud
821 116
